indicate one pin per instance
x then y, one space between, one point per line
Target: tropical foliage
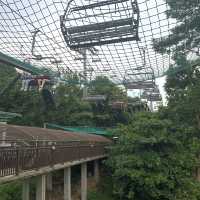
11 191
154 158
157 155
185 36
67 106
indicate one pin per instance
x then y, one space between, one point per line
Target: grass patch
98 195
103 191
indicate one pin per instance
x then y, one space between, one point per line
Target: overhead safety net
43 34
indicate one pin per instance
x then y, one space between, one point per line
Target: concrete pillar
198 174
96 170
41 187
49 182
67 183
4 133
26 189
84 181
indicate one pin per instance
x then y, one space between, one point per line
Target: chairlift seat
97 26
140 85
84 26
154 97
152 90
95 98
140 73
118 105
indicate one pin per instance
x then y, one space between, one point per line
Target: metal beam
99 4
19 64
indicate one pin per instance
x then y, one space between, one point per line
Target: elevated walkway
31 151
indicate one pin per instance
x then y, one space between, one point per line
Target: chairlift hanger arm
35 56
33 43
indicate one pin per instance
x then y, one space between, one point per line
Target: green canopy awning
5 116
81 129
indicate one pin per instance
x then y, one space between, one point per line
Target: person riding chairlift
31 82
26 78
41 80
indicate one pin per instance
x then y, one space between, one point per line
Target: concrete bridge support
45 182
67 183
41 188
96 170
49 182
84 181
26 190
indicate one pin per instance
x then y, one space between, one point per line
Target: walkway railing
14 160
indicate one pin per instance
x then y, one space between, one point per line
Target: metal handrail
14 161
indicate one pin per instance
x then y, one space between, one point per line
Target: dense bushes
154 159
104 190
11 191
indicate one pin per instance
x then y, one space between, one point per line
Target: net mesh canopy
117 34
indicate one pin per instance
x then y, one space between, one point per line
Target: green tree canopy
70 108
182 85
154 159
7 74
185 35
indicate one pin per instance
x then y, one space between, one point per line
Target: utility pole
84 58
151 105
85 89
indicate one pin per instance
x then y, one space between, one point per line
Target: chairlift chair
30 82
152 90
118 102
154 97
118 105
97 22
151 96
94 98
137 106
139 85
140 73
